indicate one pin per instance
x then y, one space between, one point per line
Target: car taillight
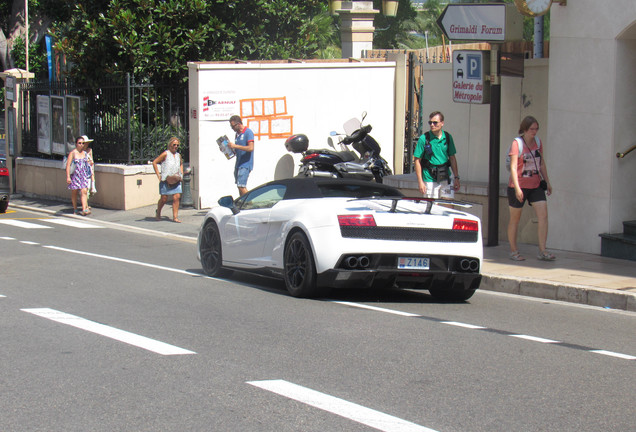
356 220
465 225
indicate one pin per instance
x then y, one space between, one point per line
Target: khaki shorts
439 190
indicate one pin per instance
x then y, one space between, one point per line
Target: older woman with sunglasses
169 178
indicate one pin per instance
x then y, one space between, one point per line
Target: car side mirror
228 202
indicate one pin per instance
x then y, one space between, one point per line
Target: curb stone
581 294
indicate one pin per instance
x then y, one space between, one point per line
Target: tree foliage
156 39
392 32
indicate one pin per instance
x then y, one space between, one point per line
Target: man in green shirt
434 154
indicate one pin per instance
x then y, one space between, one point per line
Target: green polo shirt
443 148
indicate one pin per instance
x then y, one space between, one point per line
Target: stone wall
119 187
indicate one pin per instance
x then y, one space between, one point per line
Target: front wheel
299 267
3 206
211 251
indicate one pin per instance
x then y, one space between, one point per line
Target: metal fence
130 121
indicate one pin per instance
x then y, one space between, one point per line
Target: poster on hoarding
219 105
57 125
44 125
72 121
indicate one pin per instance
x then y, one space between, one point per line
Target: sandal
177 220
157 215
546 256
516 256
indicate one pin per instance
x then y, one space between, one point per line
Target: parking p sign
470 69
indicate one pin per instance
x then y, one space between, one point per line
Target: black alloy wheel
299 267
210 250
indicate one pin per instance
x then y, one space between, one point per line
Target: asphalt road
112 330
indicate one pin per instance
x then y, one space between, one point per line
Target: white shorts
439 190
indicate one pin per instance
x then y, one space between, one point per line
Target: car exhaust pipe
469 265
352 262
364 261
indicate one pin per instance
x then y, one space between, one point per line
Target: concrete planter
119 187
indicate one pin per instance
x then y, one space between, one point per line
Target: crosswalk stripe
23 224
72 223
57 221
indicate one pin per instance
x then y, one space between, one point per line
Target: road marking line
614 354
476 327
351 304
341 407
26 242
7 238
72 223
534 338
464 325
363 306
139 263
22 224
110 332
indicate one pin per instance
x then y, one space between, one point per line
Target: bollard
186 195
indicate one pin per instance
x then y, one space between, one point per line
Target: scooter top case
297 143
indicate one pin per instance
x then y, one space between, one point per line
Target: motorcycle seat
344 155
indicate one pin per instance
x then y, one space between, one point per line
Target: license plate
413 263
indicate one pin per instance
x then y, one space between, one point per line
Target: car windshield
357 191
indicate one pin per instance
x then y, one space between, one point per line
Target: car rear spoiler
429 201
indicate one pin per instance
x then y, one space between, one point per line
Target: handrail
622 155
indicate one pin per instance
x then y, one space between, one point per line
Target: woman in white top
169 178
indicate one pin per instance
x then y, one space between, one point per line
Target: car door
245 233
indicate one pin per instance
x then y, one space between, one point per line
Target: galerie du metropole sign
493 23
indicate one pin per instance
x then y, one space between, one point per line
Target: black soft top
322 187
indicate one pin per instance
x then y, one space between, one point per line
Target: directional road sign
483 22
470 69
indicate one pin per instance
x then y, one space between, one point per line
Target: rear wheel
3 206
299 267
210 251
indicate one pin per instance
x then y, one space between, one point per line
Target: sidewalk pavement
574 277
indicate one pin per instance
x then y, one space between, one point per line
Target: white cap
86 139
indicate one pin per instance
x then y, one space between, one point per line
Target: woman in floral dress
79 180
